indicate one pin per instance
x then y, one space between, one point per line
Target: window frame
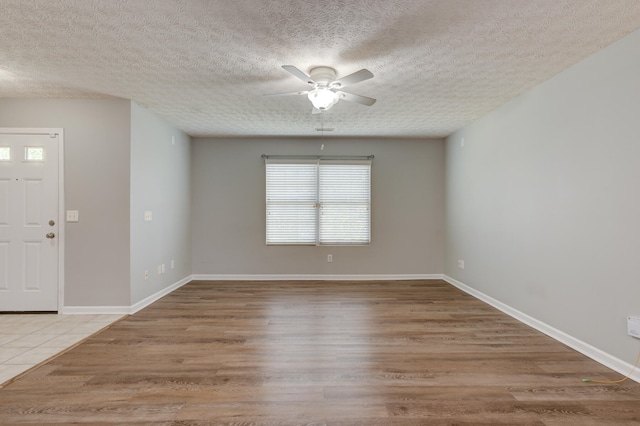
360 239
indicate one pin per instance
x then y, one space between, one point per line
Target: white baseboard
315 277
149 300
592 352
95 310
124 310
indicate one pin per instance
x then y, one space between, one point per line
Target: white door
29 239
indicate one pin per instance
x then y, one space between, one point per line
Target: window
5 153
318 202
34 153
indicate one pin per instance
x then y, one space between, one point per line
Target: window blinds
318 202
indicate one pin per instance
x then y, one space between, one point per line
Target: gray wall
96 141
160 183
542 200
228 203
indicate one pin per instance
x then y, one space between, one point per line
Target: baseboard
149 300
313 277
586 349
95 310
124 310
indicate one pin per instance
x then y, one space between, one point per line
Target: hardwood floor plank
319 353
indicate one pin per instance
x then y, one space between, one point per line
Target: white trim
154 297
584 348
95 310
125 310
315 277
62 220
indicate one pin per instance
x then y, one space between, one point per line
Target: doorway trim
61 206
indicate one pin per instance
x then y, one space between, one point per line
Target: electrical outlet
633 326
159 269
460 263
329 258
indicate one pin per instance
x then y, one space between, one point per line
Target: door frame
61 206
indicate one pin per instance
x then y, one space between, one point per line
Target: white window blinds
318 202
292 195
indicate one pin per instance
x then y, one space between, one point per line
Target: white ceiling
204 65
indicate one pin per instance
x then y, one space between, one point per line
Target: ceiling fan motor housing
323 76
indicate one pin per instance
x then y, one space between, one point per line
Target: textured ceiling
204 65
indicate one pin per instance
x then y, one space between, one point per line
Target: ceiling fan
325 89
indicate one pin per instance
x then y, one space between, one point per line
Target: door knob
51 235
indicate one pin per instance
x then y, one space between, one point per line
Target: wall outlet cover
633 326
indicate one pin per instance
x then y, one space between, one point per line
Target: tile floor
28 339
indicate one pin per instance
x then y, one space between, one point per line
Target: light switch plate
73 216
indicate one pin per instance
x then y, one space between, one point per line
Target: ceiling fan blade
356 77
362 100
316 111
302 92
301 75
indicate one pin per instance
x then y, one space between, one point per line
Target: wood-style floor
316 353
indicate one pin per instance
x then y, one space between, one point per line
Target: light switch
73 216
148 216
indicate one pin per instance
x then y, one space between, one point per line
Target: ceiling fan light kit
324 92
323 98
